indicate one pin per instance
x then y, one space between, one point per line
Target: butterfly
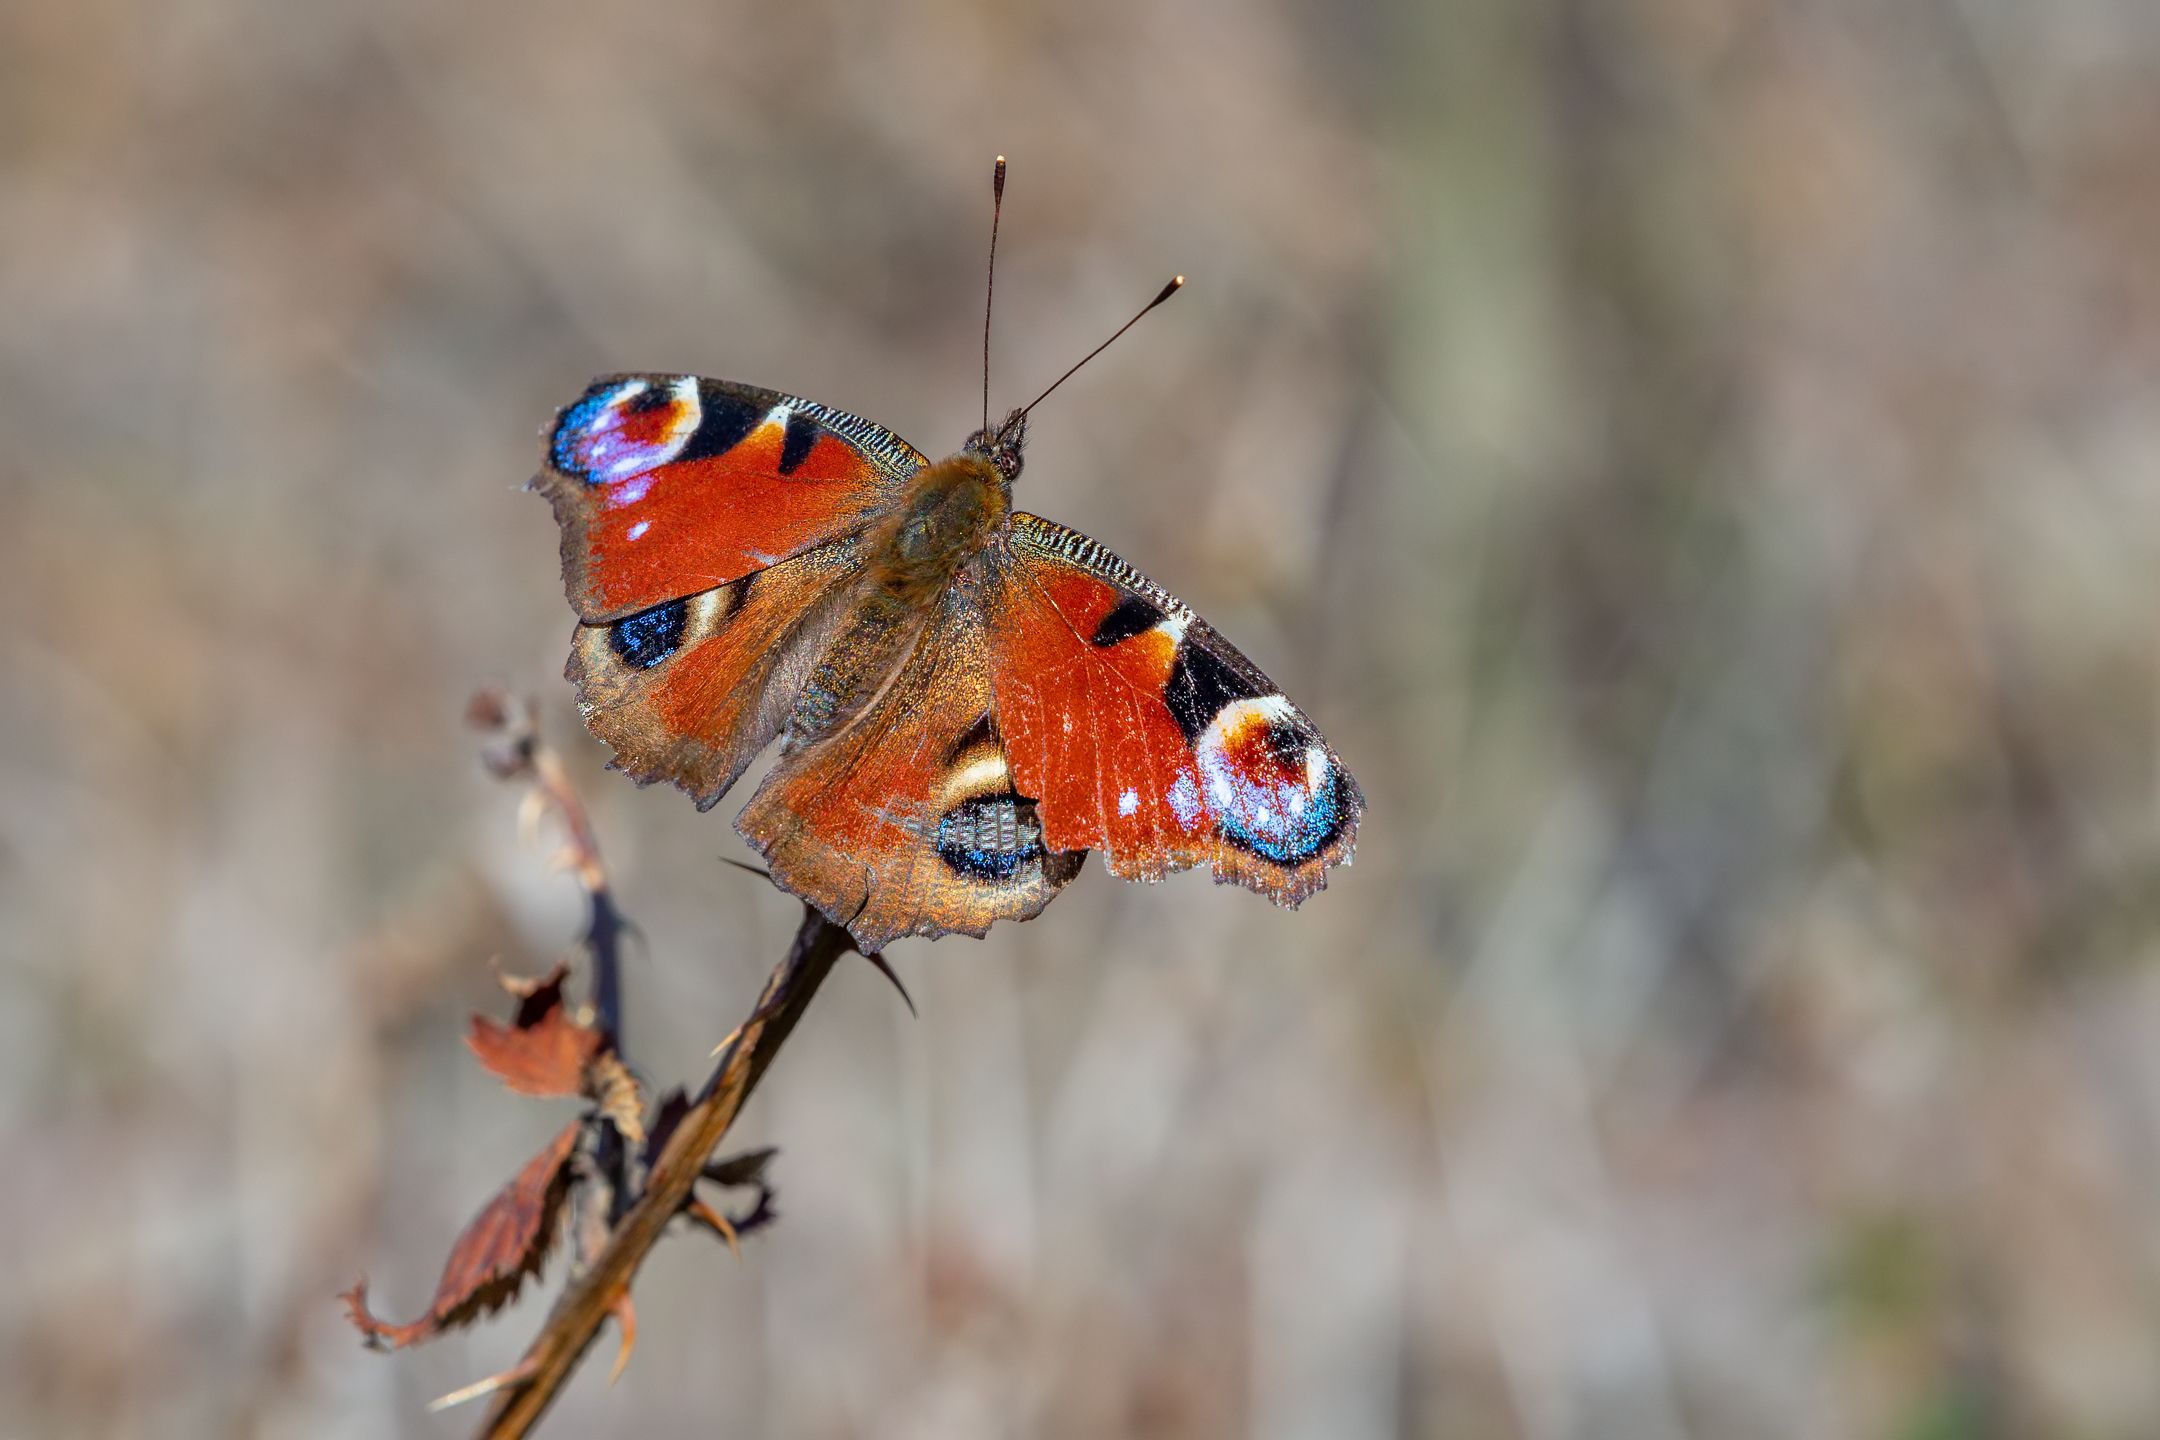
968 697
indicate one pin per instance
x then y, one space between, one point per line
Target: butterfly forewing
1142 733
668 485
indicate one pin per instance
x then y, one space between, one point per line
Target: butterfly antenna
1176 281
997 208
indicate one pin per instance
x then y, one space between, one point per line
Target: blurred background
1696 458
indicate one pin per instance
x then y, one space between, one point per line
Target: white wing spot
1185 800
638 530
1128 802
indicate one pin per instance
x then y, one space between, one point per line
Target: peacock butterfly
968 697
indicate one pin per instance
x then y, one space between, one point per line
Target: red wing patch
1086 731
689 691
666 486
1142 733
905 821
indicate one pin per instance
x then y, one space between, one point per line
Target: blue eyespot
1288 827
990 837
1272 787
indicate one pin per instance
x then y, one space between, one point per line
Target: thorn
752 869
625 1315
515 1375
878 959
719 1223
726 1042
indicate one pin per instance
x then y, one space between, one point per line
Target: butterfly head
1002 446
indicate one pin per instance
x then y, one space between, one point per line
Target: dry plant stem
603 931
575 1321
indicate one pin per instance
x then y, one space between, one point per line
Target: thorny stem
604 925
574 1322
603 933
600 1288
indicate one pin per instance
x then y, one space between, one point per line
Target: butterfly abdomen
862 652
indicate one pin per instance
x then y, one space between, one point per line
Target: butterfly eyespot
623 428
650 636
990 837
1274 788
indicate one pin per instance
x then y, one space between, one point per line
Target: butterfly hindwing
690 690
904 820
1142 733
669 485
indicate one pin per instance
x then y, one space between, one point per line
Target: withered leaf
620 1098
545 1049
745 1168
508 1240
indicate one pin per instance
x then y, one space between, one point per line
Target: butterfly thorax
949 512
946 516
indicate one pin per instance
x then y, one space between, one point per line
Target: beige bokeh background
1697 458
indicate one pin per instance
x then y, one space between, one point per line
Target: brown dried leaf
746 1168
508 1240
541 990
545 1049
620 1097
